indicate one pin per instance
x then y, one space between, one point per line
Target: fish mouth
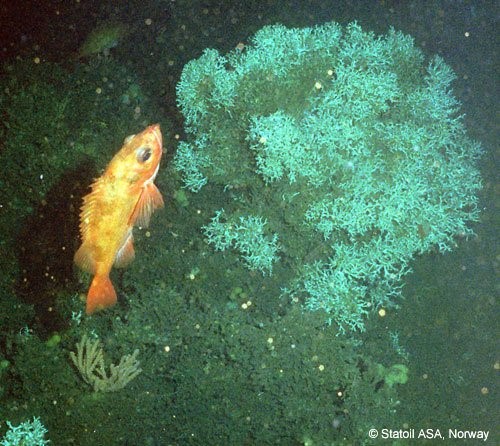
155 128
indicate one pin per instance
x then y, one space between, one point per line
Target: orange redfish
122 197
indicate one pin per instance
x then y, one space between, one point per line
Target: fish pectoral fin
148 202
126 253
84 259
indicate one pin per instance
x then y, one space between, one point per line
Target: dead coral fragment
89 360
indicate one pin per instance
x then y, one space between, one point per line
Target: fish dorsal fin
149 200
88 209
126 252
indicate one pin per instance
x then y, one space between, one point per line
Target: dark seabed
227 354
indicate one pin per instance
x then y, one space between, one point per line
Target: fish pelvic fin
101 294
126 253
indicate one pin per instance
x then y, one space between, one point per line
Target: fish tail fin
101 294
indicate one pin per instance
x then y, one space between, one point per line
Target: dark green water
217 370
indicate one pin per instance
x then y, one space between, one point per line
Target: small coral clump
29 433
351 148
247 236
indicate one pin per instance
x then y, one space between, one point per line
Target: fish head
138 160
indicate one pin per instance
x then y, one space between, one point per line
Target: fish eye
143 154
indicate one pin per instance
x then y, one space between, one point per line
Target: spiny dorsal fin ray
88 209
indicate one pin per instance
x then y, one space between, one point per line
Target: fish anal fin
84 259
126 253
149 200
